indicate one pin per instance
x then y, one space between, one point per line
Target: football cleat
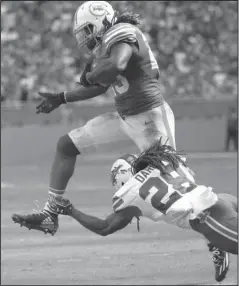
43 221
220 259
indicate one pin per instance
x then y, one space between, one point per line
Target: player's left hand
51 101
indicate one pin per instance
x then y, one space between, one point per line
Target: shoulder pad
120 32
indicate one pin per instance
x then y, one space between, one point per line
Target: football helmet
90 22
121 170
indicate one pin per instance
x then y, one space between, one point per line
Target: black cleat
220 259
43 221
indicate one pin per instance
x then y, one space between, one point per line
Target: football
100 64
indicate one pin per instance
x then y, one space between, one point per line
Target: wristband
62 97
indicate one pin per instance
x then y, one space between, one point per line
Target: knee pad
66 146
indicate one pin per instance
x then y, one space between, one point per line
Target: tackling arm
107 69
103 227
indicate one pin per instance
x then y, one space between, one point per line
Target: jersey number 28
156 192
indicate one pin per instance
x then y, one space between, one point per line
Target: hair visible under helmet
127 17
154 157
93 18
124 168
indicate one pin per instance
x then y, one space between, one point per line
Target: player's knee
66 147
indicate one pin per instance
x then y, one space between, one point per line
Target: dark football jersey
137 89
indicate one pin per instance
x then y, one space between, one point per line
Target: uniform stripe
212 220
109 36
56 192
219 228
125 38
126 33
117 203
168 129
223 234
121 27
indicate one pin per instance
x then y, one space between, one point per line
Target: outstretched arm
113 223
53 100
83 93
94 83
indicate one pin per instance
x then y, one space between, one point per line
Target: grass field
158 254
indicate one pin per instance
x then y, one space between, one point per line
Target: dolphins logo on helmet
121 170
89 22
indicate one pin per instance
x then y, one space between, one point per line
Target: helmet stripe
129 158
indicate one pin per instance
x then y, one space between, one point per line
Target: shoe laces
217 256
37 210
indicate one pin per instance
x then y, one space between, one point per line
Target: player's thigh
230 199
220 226
148 127
99 130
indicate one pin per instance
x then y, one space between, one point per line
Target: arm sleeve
120 33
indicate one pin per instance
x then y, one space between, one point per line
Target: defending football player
118 59
158 185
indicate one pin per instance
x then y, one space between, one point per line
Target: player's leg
100 130
219 227
225 219
148 127
220 259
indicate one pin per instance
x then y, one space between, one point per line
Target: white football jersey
173 197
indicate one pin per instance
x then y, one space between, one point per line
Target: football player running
117 59
158 185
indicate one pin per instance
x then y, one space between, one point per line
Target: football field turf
158 254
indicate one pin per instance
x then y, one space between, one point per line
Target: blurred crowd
195 43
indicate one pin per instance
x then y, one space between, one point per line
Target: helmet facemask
86 36
91 20
87 41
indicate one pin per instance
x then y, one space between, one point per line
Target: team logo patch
97 9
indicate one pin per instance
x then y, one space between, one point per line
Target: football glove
51 101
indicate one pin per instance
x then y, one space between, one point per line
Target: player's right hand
51 101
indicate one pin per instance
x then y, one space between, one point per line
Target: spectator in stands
23 93
232 129
192 40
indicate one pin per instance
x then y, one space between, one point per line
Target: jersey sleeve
117 202
119 33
